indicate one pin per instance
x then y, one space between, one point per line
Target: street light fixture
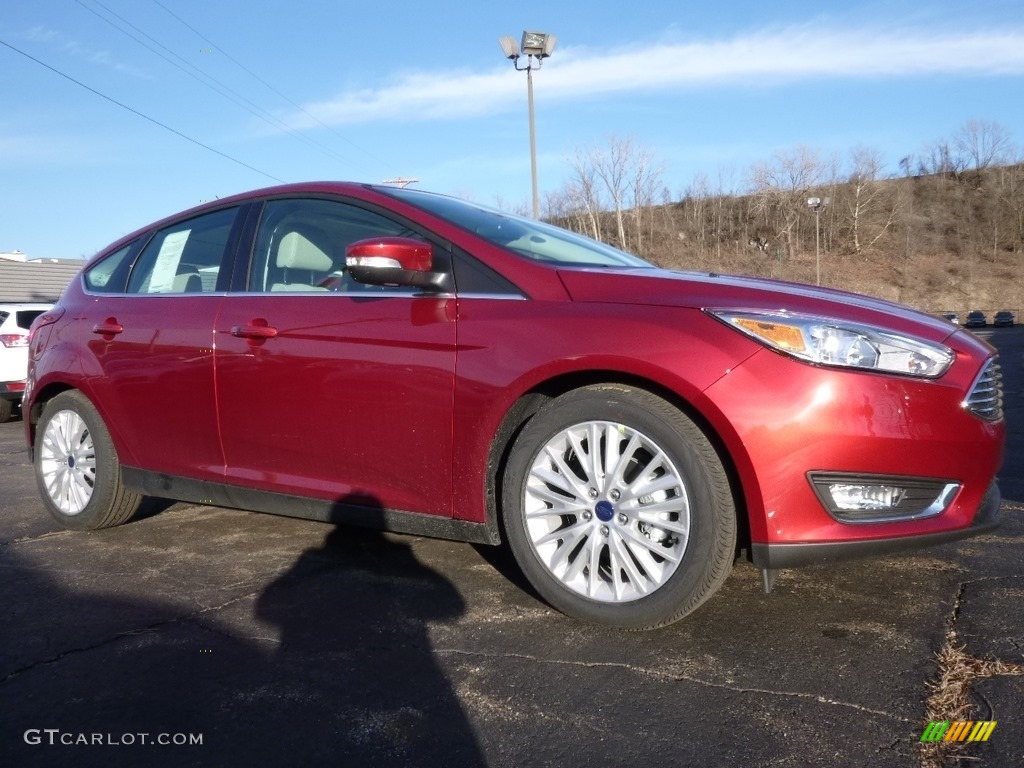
535 46
817 203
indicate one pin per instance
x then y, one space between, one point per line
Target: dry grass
950 697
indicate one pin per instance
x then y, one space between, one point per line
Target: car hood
703 290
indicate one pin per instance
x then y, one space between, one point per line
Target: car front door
329 388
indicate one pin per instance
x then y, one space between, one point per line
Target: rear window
111 274
185 257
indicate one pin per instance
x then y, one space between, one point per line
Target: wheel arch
39 401
533 400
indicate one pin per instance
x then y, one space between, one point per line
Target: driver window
300 246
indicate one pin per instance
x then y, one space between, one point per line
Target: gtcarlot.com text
56 737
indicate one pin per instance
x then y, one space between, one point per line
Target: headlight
827 341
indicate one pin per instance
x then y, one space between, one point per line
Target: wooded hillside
944 233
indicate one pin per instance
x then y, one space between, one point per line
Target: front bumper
778 556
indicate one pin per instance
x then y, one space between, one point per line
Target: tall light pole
536 46
817 203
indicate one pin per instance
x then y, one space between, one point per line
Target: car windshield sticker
166 267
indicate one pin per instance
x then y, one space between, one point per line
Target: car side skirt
773 557
351 510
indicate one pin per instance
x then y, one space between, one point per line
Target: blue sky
337 89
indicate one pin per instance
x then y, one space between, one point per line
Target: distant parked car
1003 319
976 319
951 316
15 320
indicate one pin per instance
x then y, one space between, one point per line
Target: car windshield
533 239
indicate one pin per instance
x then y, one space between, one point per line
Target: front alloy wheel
607 511
618 509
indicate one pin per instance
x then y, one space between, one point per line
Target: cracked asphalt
285 642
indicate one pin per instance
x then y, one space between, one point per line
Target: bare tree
695 204
645 173
725 192
983 142
563 207
626 175
611 165
868 199
587 191
518 209
781 187
940 159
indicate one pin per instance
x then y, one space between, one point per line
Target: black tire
96 475
6 410
694 470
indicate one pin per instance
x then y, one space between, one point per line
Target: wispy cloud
34 150
68 44
768 56
39 34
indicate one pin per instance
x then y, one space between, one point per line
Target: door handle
108 328
256 329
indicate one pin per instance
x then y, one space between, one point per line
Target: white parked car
15 320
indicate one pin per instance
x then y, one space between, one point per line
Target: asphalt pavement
200 636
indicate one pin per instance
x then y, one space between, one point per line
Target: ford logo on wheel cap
605 511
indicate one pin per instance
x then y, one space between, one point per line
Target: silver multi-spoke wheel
67 462
606 511
618 508
77 470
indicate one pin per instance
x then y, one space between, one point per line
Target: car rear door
328 388
150 339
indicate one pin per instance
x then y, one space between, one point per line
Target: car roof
350 188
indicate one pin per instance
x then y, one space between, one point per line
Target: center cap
71 462
605 511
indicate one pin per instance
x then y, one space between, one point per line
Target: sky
115 113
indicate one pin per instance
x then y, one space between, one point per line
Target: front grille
985 400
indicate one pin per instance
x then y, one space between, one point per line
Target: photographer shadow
355 662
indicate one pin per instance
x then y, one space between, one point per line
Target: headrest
295 251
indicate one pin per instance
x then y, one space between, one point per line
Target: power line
140 114
214 84
252 74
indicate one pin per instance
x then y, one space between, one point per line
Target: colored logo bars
958 730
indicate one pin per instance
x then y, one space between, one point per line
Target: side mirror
393 261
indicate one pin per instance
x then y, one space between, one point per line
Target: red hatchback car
394 358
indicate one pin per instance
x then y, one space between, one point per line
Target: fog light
881 498
865 497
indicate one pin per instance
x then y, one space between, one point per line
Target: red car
394 358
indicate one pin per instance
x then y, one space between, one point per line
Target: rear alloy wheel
76 466
618 509
6 410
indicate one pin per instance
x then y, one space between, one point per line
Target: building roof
40 281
